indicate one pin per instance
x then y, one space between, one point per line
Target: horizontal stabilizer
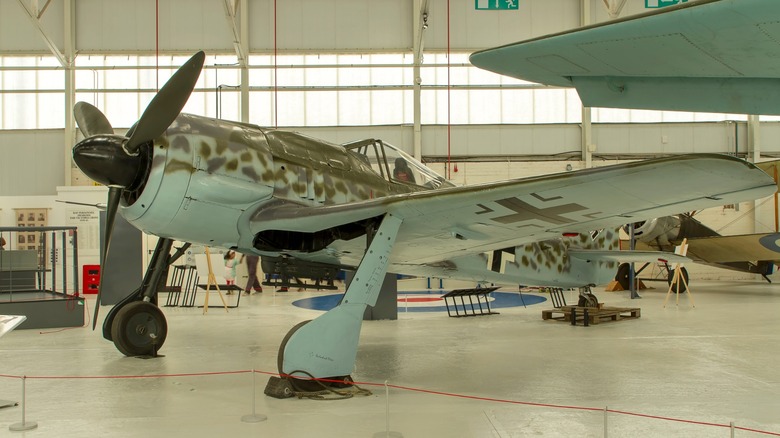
627 256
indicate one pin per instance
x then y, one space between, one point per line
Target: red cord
412 389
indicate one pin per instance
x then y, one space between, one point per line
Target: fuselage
208 177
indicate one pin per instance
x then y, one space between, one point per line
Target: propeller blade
90 120
114 196
167 103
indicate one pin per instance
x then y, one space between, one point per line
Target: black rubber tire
683 287
133 326
280 355
623 272
588 300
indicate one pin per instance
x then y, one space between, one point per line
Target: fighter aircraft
278 193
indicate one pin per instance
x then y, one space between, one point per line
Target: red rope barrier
411 389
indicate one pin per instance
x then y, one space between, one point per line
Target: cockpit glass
397 166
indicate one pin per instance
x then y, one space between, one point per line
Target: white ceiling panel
19 34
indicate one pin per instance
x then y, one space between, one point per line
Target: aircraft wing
710 56
771 169
447 223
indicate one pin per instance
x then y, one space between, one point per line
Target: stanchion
605 421
24 425
387 432
253 417
733 429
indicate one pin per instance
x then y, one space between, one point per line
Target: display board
31 241
30 217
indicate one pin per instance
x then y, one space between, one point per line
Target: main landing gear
327 346
136 324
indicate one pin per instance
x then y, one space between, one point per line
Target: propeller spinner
119 162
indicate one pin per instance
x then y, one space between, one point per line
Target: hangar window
477 96
298 90
31 93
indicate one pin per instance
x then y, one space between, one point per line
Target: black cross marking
484 209
542 198
498 258
525 212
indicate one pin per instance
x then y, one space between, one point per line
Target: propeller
90 120
119 162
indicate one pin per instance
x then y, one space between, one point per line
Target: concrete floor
715 363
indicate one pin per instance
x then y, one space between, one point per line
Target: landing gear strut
136 324
587 299
327 346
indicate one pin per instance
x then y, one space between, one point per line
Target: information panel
497 5
650 4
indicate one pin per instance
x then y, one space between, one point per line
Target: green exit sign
662 3
496 5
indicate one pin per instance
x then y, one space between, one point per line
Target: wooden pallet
595 315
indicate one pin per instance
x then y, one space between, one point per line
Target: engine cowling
658 231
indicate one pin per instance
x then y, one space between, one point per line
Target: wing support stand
327 346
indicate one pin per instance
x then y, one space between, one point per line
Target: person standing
251 269
230 269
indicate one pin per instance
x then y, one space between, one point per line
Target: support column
235 10
419 23
754 155
70 87
586 139
245 64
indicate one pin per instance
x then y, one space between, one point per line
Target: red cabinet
90 279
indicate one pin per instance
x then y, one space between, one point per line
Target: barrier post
605 421
387 433
253 417
24 425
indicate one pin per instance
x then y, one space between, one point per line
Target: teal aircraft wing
452 222
710 55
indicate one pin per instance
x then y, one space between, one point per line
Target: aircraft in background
280 194
709 55
689 57
753 253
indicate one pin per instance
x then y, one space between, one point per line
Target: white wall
31 162
343 25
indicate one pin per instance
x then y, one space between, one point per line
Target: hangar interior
346 70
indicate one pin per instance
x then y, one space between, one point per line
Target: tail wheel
683 286
588 300
139 329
